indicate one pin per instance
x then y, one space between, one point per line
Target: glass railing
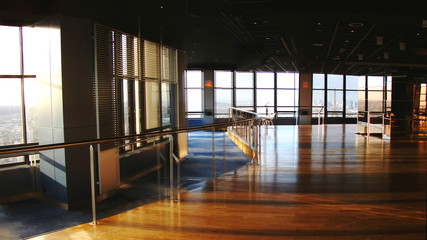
374 123
248 124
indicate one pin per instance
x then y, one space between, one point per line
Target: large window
376 93
194 94
18 93
287 94
335 95
244 90
352 95
388 93
265 92
318 97
223 83
152 84
361 104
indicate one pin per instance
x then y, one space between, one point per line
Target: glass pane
362 83
351 82
285 98
137 108
263 110
166 104
389 81
194 100
10 112
388 102
31 101
286 80
375 101
318 98
10 53
351 100
126 108
286 112
335 114
423 89
375 83
318 81
223 100
194 79
265 97
335 100
244 97
223 79
244 80
265 80
152 104
361 101
335 81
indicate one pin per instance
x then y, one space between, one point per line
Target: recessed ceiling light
317 44
380 40
356 24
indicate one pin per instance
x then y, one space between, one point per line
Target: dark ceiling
358 37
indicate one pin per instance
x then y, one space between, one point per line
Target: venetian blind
106 84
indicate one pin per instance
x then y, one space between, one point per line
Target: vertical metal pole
171 167
213 154
383 125
369 124
179 179
92 185
357 122
256 143
259 145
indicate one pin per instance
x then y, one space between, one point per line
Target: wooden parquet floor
312 183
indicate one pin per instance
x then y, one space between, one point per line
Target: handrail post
369 124
213 154
259 146
178 181
171 188
92 185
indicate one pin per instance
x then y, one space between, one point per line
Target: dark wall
19 180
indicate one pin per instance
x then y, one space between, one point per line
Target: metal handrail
36 148
368 115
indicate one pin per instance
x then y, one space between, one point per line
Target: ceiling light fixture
386 55
317 44
380 40
356 24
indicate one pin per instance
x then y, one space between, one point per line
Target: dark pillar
402 105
